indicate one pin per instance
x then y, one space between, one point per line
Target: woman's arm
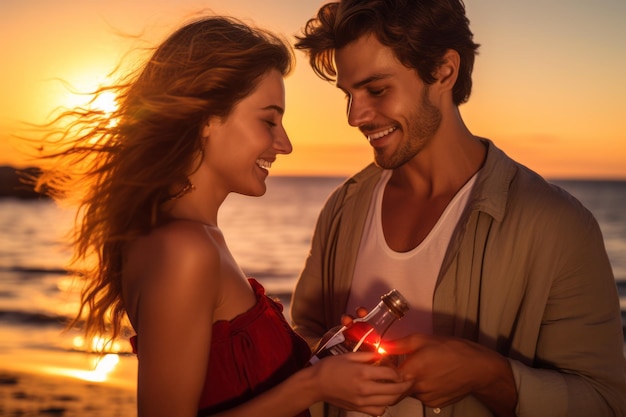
179 290
348 381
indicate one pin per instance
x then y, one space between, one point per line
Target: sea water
269 236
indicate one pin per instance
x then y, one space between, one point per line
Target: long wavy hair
123 165
418 31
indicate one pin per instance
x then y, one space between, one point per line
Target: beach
53 382
28 394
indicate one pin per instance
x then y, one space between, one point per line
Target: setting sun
107 102
85 93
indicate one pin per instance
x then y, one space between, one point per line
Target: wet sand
49 383
28 394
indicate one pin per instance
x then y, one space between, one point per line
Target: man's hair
418 31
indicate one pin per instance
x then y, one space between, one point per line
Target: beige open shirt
525 274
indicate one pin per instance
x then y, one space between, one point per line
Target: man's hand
447 369
347 319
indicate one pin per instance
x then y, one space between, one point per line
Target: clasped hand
355 383
446 369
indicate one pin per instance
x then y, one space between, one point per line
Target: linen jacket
525 273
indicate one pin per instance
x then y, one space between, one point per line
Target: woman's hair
418 31
124 164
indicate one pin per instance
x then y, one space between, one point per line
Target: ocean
269 236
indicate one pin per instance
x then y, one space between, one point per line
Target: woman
201 119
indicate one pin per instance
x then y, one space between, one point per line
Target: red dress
250 354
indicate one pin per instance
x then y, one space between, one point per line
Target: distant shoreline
12 183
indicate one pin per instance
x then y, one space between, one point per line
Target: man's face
387 101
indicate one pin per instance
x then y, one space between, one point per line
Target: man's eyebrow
370 79
278 109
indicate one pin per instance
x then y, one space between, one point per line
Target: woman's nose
282 144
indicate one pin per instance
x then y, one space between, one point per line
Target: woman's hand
351 381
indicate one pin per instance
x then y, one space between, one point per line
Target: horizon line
346 176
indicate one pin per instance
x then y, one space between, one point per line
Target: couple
513 306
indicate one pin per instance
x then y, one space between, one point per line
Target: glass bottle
366 333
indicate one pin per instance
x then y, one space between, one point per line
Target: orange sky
549 81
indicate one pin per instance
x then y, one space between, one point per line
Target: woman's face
242 147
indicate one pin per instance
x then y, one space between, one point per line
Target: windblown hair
418 31
124 164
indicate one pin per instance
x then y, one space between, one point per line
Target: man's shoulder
535 194
520 189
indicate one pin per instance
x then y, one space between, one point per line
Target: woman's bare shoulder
174 262
179 238
188 248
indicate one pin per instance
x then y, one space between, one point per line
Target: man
513 304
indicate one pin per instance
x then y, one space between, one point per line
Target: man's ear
448 70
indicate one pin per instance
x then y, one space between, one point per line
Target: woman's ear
206 130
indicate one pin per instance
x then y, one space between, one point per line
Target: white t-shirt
414 274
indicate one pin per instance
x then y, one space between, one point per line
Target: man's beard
422 125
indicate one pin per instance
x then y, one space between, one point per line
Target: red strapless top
249 355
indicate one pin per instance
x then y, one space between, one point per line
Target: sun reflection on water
103 367
99 366
98 344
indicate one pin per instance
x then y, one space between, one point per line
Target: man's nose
359 112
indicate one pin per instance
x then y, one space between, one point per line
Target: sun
92 95
105 102
86 88
88 96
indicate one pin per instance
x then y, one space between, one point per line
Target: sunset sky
549 82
